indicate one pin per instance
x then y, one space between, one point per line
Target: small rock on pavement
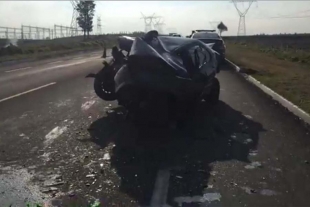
307 162
253 165
71 193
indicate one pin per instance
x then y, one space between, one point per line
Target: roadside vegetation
38 49
282 66
48 48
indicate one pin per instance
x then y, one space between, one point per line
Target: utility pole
99 31
22 32
242 14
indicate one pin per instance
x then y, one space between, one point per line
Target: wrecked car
161 78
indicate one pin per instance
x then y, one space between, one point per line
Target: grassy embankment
38 49
286 71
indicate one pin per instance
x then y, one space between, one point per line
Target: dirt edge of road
290 80
290 107
49 55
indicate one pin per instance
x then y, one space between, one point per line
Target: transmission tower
74 23
148 21
242 13
158 25
99 31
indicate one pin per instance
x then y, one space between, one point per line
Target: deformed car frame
160 72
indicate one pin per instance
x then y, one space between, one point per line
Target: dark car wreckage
161 78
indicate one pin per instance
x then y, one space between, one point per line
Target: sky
179 16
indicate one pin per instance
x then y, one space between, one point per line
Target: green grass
281 53
46 49
287 78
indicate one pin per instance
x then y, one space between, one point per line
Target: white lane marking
65 65
8 71
34 89
160 192
55 62
53 67
85 106
52 135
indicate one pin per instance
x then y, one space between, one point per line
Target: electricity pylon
242 14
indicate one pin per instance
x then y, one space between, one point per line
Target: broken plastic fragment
248 116
211 197
106 156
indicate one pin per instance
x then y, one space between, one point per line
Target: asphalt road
61 145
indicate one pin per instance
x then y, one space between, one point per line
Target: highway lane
24 64
18 79
63 144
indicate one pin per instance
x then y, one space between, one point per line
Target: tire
104 89
213 97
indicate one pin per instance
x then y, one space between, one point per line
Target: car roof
204 30
174 43
206 35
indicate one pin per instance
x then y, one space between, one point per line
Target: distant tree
86 10
222 28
